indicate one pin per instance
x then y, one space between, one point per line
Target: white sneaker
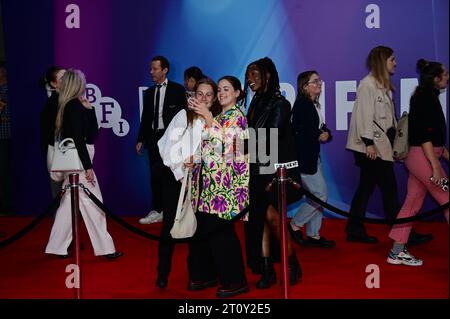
152 217
404 258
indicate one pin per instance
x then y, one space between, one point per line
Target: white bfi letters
343 106
373 19
107 110
73 19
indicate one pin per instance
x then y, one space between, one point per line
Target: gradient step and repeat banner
113 41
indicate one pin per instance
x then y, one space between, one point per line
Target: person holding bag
178 145
427 135
370 137
220 183
76 119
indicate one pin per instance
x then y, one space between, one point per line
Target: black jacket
174 101
305 122
80 124
271 111
47 121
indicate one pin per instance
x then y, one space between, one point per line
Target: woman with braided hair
269 112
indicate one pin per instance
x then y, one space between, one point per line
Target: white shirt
179 142
319 112
162 95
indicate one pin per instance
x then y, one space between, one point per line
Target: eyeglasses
316 82
199 95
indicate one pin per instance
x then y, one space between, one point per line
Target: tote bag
185 223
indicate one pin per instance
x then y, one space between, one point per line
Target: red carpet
339 273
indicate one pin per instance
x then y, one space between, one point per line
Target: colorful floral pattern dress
224 168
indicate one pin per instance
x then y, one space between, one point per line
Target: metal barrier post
282 179
74 201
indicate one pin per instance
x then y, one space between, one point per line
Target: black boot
268 274
295 271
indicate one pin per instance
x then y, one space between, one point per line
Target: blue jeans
309 212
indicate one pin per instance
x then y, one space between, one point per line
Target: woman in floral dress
220 192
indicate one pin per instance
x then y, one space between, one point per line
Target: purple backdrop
113 42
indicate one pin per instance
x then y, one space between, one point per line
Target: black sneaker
321 242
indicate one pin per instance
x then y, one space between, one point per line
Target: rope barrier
338 211
144 234
51 208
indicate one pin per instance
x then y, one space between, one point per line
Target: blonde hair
73 84
376 62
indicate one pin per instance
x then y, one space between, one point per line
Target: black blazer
305 122
174 101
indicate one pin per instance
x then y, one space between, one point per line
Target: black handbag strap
378 126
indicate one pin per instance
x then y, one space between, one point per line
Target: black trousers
156 173
215 251
372 173
170 193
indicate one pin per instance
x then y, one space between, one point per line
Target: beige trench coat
373 103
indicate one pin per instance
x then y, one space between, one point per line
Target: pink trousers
419 184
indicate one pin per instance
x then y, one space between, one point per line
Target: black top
305 122
48 119
174 101
426 121
80 124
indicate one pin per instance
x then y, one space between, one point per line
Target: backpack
401 146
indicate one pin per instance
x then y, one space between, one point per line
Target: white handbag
55 176
65 157
185 223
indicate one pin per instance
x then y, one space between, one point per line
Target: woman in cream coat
371 128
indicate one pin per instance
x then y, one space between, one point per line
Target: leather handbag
55 176
185 223
65 157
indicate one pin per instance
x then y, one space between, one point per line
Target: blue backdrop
113 41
